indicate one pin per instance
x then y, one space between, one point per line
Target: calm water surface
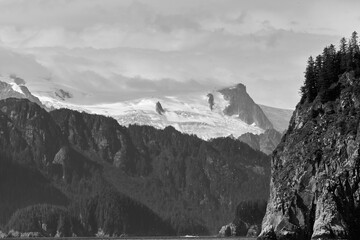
144 238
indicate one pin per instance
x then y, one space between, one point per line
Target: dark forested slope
85 174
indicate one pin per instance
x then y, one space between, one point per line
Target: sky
115 50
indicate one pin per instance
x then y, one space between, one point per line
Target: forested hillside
70 173
322 73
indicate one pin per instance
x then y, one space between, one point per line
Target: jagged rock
253 231
3 235
159 109
211 101
315 171
228 230
62 94
242 105
22 92
240 228
268 233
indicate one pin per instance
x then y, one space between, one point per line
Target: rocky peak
62 94
315 170
159 109
211 100
242 105
17 89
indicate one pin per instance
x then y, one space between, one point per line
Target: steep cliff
17 89
315 169
242 105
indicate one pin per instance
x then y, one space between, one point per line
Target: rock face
242 105
159 109
62 94
211 101
17 89
315 170
265 142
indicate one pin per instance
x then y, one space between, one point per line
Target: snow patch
16 88
189 114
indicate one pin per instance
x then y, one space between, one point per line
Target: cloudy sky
112 50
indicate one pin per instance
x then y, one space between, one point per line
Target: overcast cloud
111 50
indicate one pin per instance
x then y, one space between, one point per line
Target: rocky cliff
17 89
315 169
242 105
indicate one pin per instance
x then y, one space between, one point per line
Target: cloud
107 50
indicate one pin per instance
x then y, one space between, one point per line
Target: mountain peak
240 86
14 87
242 105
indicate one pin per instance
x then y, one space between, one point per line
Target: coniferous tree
326 73
342 54
354 43
318 66
355 53
322 75
310 85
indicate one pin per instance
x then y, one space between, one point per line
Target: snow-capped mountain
14 87
187 113
227 112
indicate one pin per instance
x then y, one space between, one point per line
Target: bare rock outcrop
316 171
242 105
159 109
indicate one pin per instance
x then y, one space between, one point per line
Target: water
146 238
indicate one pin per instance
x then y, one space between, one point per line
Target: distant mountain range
227 112
176 182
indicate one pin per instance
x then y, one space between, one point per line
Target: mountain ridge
189 113
92 156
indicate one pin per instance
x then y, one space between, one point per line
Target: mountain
50 188
315 169
229 111
242 106
188 113
68 173
279 118
265 142
14 87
